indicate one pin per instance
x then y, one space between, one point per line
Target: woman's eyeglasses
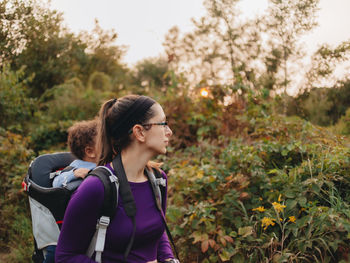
156 123
164 124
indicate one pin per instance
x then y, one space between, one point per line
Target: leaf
229 239
273 171
302 201
289 194
245 231
212 243
223 241
225 255
197 236
205 246
284 152
291 204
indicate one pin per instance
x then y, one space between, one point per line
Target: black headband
132 116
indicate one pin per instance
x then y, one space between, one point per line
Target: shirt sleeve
79 223
164 248
64 178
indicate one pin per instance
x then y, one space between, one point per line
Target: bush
15 226
47 135
343 125
15 107
280 195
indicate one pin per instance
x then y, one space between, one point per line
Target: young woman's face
158 136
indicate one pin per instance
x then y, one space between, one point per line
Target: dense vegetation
254 182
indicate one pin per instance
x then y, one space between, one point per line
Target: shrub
280 195
15 226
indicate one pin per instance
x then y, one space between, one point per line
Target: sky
142 24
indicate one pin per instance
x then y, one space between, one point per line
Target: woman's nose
169 132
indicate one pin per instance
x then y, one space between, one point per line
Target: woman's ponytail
104 144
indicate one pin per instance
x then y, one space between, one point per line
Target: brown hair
81 135
116 118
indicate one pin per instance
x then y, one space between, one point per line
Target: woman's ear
139 132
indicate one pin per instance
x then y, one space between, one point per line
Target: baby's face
90 154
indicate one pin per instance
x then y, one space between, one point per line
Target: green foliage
15 225
216 190
245 184
64 104
343 125
33 35
47 135
38 41
15 106
151 75
72 101
322 106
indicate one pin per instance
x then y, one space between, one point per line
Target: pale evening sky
142 24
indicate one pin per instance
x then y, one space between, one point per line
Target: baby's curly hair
81 135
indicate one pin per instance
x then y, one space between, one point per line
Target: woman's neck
134 162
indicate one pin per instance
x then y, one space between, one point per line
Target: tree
33 35
324 62
151 74
221 49
286 22
103 55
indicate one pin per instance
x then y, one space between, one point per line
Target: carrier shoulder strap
127 197
110 202
158 184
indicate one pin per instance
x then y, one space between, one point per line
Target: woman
134 126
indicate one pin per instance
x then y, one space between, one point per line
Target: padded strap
127 197
111 190
125 191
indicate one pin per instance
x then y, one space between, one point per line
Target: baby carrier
48 204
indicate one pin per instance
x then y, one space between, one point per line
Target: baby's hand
81 172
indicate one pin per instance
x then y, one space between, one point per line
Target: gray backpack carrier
48 204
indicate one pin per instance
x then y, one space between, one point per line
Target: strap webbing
98 241
127 197
111 187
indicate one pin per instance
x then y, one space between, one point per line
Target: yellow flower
260 209
260 199
279 198
292 219
278 206
281 219
266 221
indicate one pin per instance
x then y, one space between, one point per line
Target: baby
81 142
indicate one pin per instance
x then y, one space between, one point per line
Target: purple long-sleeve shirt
150 243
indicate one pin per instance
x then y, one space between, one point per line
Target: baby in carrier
81 142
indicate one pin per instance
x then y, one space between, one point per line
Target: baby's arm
71 175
